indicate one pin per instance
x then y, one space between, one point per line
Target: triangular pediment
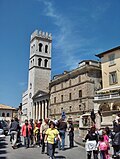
39 94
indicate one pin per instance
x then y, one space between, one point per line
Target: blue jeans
102 155
62 135
51 150
26 141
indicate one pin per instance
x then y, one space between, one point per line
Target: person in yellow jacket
36 131
52 135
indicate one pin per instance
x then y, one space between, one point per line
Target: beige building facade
73 92
108 98
6 112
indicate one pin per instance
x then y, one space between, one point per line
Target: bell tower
39 62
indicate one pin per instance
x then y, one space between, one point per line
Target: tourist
14 128
92 115
116 139
26 132
62 126
51 136
43 129
92 139
71 134
31 134
102 147
106 140
36 133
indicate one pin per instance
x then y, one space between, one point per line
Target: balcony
107 96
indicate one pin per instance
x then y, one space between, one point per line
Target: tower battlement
41 34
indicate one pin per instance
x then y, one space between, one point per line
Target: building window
30 85
30 95
54 88
70 108
54 99
46 48
8 114
80 93
61 85
54 111
111 59
113 77
39 61
61 98
70 96
79 107
45 62
40 47
79 79
70 82
3 114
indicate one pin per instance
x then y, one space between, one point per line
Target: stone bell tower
39 62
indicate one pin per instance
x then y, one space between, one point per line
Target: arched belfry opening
40 47
46 48
39 62
45 62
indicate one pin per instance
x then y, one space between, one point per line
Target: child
106 140
102 147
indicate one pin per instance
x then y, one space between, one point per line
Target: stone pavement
6 152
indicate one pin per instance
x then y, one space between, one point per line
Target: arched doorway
116 106
104 107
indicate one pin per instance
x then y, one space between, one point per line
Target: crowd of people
45 134
99 141
49 134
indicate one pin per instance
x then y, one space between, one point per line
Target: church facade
35 99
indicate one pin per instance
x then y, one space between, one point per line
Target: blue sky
80 29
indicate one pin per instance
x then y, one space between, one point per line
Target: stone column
34 111
42 109
39 110
46 107
111 106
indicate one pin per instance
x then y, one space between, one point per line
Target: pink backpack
102 145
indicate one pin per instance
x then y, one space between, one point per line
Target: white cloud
67 41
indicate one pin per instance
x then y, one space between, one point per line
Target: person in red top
26 131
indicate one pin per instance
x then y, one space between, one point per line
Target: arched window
39 61
46 48
40 47
45 62
3 114
8 114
